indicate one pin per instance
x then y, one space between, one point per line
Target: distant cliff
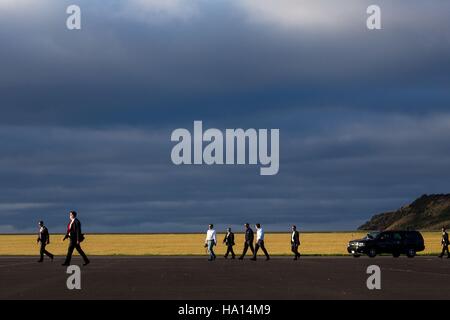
429 212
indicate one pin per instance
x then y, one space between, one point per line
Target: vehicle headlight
360 244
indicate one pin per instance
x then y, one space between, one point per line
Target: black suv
393 242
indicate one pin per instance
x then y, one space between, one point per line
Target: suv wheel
396 254
356 255
372 253
411 253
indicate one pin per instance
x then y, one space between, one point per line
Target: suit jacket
229 239
44 236
249 235
74 233
296 239
445 241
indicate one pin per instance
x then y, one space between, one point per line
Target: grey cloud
87 116
342 174
114 65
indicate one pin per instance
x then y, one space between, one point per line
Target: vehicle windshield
372 235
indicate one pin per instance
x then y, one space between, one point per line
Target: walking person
76 237
295 242
260 242
210 242
229 242
44 239
249 236
445 243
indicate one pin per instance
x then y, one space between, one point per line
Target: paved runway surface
195 278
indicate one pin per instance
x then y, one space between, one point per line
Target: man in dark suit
295 242
229 242
444 242
248 241
44 239
76 237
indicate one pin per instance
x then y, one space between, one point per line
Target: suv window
397 236
384 236
372 235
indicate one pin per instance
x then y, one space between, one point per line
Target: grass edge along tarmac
191 244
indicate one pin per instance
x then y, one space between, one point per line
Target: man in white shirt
260 242
210 242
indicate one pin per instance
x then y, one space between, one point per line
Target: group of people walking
75 237
73 233
211 241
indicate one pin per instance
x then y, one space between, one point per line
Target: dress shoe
253 259
40 260
86 263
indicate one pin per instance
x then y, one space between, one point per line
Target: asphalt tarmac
191 278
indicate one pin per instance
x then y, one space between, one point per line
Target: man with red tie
76 237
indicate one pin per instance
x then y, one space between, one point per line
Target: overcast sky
86 116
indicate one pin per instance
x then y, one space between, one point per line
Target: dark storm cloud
87 115
123 67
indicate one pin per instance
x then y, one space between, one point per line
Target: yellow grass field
333 243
